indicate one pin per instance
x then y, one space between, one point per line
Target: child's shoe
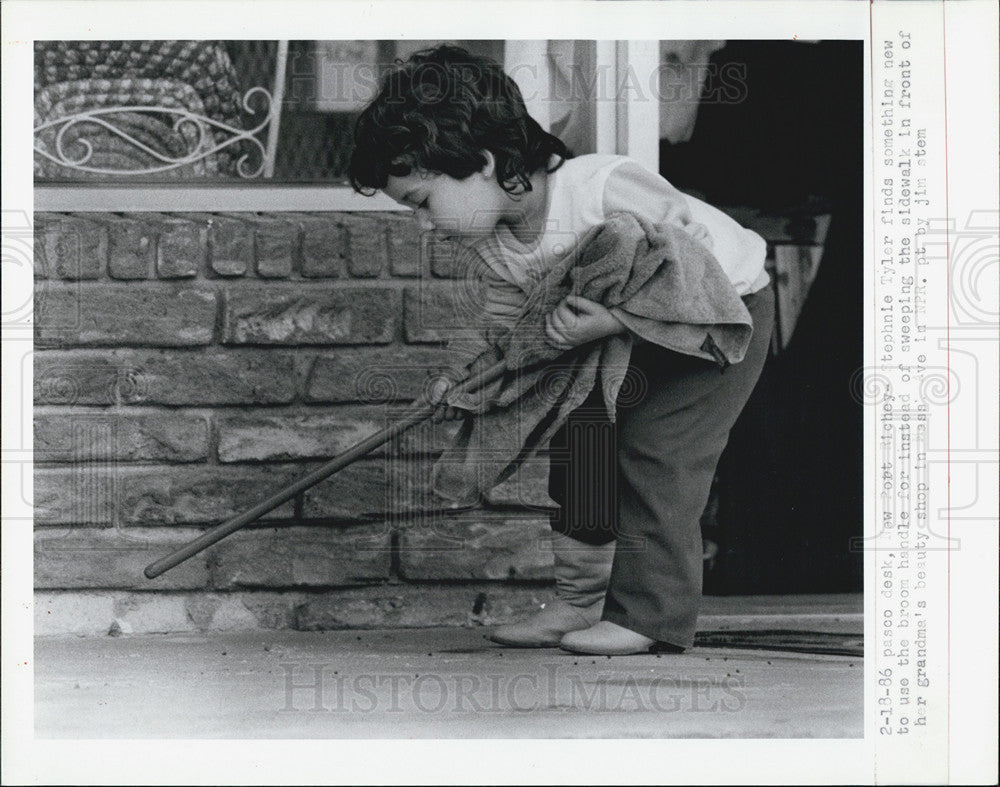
581 572
606 639
546 627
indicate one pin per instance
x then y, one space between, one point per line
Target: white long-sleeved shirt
581 194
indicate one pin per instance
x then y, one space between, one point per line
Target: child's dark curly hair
438 111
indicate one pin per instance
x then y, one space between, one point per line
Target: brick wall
186 366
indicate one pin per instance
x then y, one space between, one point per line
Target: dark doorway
790 481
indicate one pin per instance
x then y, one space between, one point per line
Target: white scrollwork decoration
199 149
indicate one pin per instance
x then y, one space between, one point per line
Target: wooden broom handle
419 411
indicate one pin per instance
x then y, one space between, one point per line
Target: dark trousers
645 479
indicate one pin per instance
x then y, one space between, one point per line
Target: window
266 125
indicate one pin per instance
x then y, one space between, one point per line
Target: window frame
627 124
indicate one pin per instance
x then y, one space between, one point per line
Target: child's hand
567 328
440 384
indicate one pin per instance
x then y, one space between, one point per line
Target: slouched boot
581 572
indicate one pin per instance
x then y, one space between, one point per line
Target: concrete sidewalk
440 683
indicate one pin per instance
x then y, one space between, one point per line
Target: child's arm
500 306
632 188
497 304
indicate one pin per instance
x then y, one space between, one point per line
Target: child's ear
490 166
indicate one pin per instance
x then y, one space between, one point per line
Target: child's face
464 208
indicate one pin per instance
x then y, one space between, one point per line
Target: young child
449 136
